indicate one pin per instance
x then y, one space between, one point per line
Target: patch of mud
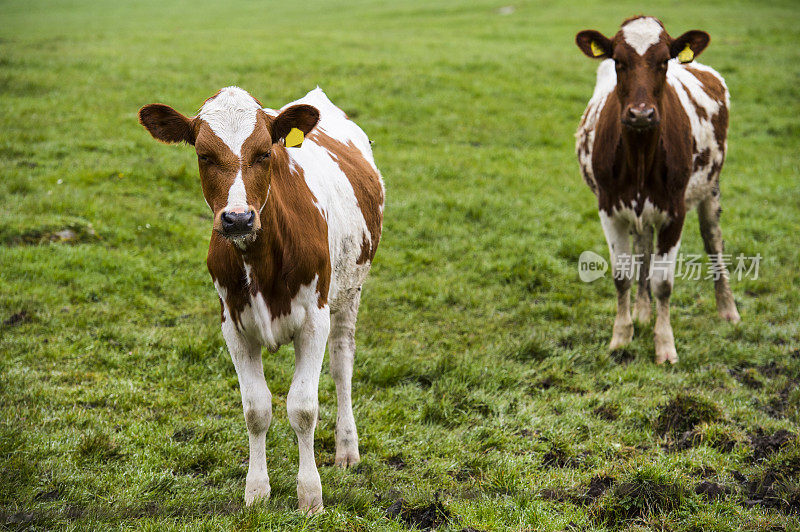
396 462
560 456
50 495
749 377
684 413
694 438
581 495
18 519
773 490
557 494
712 490
72 233
184 434
704 471
608 411
427 517
559 381
642 495
779 405
18 318
597 486
765 444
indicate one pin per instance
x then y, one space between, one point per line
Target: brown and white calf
295 230
651 145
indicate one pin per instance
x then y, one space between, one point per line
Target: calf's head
641 50
234 139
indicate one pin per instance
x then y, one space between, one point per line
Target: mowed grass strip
484 393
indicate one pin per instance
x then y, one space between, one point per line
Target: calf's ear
594 44
166 124
689 45
303 117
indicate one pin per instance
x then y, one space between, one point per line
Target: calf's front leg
302 403
257 405
623 268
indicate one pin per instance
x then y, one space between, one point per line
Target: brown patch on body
366 187
720 124
711 84
701 159
699 109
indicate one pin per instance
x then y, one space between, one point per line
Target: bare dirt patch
712 490
684 413
18 318
72 233
427 517
608 411
773 490
765 444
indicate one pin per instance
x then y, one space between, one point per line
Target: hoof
256 490
622 335
731 315
347 459
311 506
666 354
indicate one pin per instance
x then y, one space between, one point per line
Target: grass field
482 374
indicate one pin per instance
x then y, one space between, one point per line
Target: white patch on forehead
642 33
231 115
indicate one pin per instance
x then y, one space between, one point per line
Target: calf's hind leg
708 211
342 346
662 280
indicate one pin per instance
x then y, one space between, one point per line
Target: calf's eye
261 157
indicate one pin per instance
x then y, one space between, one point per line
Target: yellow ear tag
295 138
686 55
596 50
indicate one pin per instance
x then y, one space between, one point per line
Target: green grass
482 374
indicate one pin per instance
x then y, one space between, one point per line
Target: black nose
642 115
238 222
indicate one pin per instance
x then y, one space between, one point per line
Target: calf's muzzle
237 222
641 116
